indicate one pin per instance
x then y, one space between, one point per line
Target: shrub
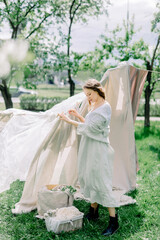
140 110
37 103
154 110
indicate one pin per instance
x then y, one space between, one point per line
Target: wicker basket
48 199
58 226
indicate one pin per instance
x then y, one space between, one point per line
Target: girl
95 156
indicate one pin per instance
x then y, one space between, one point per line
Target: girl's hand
73 112
63 117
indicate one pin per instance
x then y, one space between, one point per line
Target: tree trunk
72 12
148 92
147 108
6 95
71 82
149 88
14 33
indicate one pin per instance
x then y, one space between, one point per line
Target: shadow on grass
155 150
133 193
144 132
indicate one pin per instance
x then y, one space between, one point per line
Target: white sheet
41 149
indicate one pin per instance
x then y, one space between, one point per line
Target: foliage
69 188
30 20
13 56
154 110
64 188
26 18
92 61
119 45
156 21
137 221
78 11
36 103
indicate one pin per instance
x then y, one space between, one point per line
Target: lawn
140 221
54 91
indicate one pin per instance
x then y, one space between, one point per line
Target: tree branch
1 88
10 21
35 29
18 10
154 53
153 83
27 12
77 8
70 10
74 12
71 15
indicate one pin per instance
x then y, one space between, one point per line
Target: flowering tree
119 45
26 19
79 11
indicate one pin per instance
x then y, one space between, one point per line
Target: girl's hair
94 85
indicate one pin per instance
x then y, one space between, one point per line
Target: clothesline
149 70
153 71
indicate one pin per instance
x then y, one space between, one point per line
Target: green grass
2 107
54 91
140 221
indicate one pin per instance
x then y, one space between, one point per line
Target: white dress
95 157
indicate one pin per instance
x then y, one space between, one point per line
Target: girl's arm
82 119
73 112
67 119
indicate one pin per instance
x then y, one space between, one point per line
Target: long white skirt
95 171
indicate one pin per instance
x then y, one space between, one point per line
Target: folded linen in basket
63 219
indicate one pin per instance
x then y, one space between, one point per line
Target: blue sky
84 37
